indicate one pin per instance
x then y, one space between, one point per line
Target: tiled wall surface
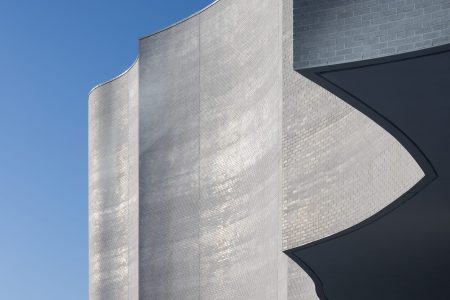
240 111
212 155
113 189
339 167
337 31
169 164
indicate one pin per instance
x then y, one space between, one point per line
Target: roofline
117 77
150 35
182 20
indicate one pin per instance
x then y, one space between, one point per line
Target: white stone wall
212 155
113 189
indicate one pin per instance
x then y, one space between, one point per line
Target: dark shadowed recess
402 252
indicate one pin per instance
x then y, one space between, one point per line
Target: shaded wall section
337 31
328 34
374 259
339 167
113 188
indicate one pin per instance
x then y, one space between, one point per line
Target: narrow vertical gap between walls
199 156
137 183
128 188
279 200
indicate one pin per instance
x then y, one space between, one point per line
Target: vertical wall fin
113 187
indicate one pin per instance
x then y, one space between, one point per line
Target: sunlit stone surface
211 156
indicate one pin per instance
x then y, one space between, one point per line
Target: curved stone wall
113 188
211 156
169 164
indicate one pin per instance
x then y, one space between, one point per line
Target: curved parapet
123 74
403 90
113 188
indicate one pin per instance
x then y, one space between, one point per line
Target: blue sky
52 52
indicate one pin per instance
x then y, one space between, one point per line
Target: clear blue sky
52 52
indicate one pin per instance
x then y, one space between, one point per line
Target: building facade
236 160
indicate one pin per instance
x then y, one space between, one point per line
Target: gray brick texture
338 31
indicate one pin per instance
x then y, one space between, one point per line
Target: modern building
277 149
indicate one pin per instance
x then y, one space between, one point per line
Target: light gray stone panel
299 284
113 189
133 183
169 163
240 170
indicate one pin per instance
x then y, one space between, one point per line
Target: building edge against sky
211 156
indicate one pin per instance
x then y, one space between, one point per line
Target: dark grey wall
339 167
337 31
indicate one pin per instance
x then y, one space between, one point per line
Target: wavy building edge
113 188
150 35
310 201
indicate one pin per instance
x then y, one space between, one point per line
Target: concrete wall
337 31
113 189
